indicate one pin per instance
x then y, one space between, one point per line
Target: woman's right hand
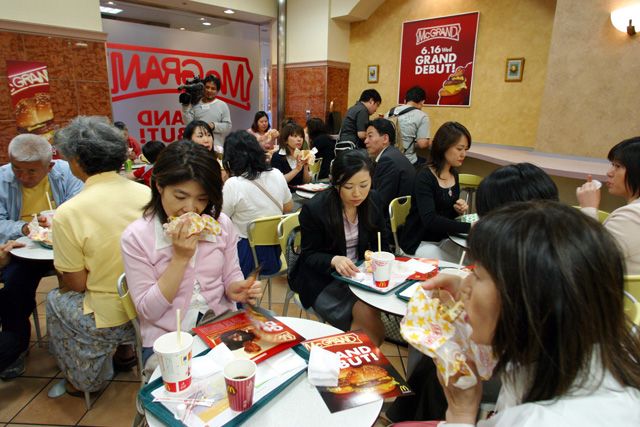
184 246
451 283
588 194
344 266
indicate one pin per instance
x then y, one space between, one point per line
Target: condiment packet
435 325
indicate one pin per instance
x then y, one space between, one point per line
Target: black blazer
431 217
313 270
279 161
325 145
393 177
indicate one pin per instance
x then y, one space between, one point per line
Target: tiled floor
24 401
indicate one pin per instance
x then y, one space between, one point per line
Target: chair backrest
602 215
632 285
632 308
285 227
314 169
263 232
125 298
398 211
468 180
290 239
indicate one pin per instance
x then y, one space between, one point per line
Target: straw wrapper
203 224
435 325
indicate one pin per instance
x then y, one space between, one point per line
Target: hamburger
364 379
455 84
197 223
303 155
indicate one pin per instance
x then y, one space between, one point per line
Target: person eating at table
435 200
28 183
623 180
261 129
337 227
168 264
546 294
255 190
86 321
287 161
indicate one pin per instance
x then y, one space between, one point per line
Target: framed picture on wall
372 73
515 68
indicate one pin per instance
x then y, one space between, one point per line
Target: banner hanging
437 54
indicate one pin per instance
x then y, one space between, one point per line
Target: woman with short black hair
623 180
254 190
547 294
294 169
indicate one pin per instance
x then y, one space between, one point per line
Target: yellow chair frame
264 232
469 183
398 211
632 308
285 228
314 169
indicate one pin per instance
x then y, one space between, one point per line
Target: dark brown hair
560 277
446 136
291 129
627 153
185 161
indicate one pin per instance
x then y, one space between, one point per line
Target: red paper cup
240 378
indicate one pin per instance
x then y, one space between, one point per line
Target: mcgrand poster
437 54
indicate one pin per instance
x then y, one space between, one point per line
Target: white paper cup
49 216
381 263
455 272
174 360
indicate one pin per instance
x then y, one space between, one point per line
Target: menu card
247 339
365 374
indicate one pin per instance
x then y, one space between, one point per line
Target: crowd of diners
545 290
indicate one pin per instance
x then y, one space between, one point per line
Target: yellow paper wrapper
203 224
435 325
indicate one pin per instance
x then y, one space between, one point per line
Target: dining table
459 239
32 250
300 404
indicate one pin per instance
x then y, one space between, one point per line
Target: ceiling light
206 23
202 19
229 12
110 2
110 10
626 19
181 28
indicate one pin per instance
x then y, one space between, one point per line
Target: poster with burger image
29 89
251 334
365 374
438 54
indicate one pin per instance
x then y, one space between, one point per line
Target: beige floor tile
41 299
16 393
115 407
279 288
404 351
30 425
43 328
130 376
65 410
396 362
47 283
390 349
40 363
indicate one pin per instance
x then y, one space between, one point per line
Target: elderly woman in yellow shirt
87 323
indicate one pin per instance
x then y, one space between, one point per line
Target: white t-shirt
244 202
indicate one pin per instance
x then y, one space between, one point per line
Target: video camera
192 91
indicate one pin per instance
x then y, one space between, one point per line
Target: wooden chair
314 169
264 232
469 183
398 212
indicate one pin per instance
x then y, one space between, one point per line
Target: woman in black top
295 171
435 199
337 227
325 145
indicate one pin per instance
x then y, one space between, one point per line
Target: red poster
437 54
29 88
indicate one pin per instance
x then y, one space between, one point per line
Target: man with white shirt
394 174
414 124
211 110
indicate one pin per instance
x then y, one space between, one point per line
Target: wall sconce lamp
625 19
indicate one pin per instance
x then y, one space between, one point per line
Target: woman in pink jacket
179 269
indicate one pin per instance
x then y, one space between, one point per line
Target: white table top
32 250
300 404
389 302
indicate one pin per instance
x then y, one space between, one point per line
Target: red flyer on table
249 339
365 374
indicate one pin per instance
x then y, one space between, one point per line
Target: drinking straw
464 253
179 329
49 201
379 243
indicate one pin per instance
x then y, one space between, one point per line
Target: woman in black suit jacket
295 171
337 227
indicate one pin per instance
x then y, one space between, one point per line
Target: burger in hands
305 155
198 224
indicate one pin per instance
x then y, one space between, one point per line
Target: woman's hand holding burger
184 245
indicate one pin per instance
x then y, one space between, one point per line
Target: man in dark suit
394 174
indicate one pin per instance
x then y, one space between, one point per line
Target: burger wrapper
37 233
203 224
435 325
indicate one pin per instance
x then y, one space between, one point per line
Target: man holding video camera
209 109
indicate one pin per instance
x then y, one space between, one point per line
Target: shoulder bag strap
266 193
